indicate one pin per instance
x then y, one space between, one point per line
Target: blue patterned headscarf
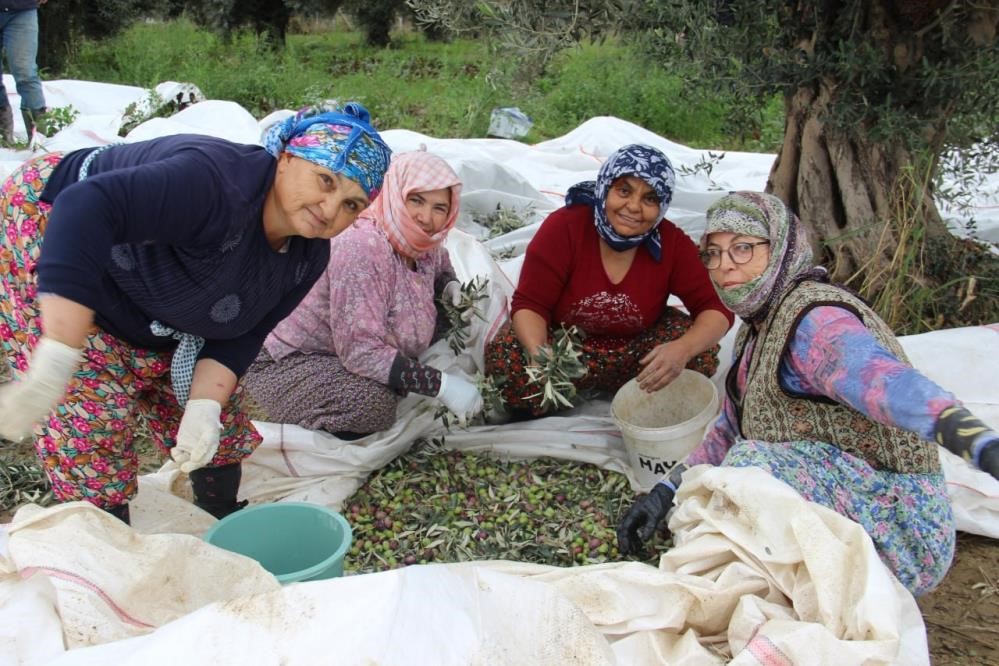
342 140
643 162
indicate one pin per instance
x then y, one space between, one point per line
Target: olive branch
556 365
458 317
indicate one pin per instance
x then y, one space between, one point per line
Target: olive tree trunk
867 200
849 189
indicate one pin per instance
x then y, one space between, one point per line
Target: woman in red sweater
606 263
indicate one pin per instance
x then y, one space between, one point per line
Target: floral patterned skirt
908 516
86 444
610 362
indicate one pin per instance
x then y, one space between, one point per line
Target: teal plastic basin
295 541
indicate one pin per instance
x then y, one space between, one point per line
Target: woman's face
315 202
729 274
632 206
429 210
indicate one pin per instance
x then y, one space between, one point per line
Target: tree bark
840 186
873 221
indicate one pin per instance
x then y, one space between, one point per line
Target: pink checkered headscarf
417 171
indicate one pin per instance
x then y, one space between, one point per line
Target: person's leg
316 392
506 362
607 363
671 326
215 486
6 112
86 444
612 362
908 516
6 122
21 46
23 218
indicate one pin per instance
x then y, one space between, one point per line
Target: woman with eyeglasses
821 396
607 263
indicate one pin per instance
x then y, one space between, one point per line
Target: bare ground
962 615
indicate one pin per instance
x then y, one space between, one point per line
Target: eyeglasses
739 253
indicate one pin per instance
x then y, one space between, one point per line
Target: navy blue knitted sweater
172 230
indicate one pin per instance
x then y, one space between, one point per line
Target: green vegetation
435 505
440 89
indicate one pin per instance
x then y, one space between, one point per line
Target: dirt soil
961 615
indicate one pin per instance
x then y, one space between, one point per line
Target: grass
910 281
439 89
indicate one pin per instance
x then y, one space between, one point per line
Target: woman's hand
642 519
531 330
25 402
460 396
662 365
198 435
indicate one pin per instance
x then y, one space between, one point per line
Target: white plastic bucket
661 428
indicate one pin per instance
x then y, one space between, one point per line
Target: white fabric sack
112 582
746 581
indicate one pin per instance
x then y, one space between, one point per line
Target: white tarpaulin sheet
759 576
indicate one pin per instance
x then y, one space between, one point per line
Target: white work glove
451 293
25 402
198 435
460 396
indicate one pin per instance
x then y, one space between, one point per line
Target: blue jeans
19 39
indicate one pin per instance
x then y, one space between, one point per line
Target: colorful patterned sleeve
717 442
360 297
834 355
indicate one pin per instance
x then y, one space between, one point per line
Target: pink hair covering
416 171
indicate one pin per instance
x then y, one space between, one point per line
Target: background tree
61 23
876 93
268 19
376 18
532 31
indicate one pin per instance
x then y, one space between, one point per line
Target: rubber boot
31 119
7 126
215 489
120 512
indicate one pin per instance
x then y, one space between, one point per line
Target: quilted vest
770 413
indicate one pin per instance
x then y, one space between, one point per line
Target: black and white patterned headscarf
643 162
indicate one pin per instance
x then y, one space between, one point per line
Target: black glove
958 430
988 459
640 523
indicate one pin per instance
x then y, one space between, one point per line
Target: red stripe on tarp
71 577
767 653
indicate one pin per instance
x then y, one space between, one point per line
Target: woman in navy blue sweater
164 266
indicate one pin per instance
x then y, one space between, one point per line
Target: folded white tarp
758 576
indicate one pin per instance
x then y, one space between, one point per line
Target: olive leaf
503 220
556 366
21 483
458 321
